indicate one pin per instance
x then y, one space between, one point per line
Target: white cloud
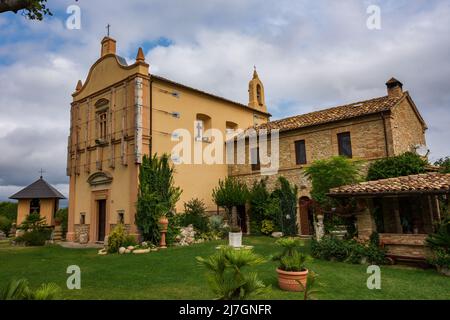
309 55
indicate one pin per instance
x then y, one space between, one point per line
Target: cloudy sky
309 54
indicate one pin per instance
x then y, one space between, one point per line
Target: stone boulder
277 234
122 250
84 238
186 236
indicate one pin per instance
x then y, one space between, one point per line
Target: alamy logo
241 147
374 280
374 20
73 22
74 280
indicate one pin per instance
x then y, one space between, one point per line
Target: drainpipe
151 115
386 144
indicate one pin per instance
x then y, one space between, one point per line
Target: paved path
75 245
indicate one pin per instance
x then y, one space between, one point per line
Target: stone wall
81 228
405 245
407 130
367 138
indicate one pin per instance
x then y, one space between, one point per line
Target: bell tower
256 93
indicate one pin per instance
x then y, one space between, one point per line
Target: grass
174 274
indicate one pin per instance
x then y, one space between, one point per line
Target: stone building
122 112
366 130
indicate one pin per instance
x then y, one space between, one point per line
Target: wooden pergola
403 210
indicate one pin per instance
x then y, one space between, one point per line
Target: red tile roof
420 183
343 112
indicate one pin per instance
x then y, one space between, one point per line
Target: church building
123 112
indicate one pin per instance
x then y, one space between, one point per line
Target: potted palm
292 271
229 194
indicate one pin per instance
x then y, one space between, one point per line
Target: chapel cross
107 28
41 172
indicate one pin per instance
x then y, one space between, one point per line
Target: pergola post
364 219
396 209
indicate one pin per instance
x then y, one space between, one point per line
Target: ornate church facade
123 112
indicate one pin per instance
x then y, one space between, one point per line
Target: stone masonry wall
407 130
367 137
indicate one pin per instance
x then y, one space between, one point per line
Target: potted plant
235 237
229 194
163 225
292 271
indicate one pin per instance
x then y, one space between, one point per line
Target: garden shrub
216 222
36 237
351 251
117 238
36 231
194 213
20 290
217 227
259 199
330 173
228 277
286 195
157 195
267 227
173 229
5 225
439 242
402 165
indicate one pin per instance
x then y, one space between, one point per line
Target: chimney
108 46
394 88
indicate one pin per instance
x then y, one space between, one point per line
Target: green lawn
174 274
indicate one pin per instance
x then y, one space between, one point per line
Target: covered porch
403 210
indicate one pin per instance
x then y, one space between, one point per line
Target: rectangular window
121 216
345 144
300 152
254 158
82 218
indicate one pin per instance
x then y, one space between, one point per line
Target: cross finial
108 26
41 172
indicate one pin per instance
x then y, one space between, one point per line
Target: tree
9 210
286 196
33 9
228 194
259 198
402 165
330 173
444 164
157 195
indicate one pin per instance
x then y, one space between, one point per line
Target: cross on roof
41 172
107 28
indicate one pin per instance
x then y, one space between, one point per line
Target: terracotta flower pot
164 222
287 280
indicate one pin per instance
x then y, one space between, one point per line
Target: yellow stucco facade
47 210
123 112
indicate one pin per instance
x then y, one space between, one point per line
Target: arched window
259 94
101 115
202 124
230 127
